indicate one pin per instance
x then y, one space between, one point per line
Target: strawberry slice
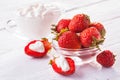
35 53
59 69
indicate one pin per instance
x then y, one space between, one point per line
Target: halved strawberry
59 69
34 53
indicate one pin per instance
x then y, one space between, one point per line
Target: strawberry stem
97 42
50 62
60 33
103 32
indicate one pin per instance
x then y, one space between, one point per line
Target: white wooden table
15 65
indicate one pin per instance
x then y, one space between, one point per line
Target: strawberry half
99 27
69 40
37 54
90 37
59 69
79 23
106 58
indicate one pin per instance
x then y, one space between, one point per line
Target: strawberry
90 37
69 40
79 23
34 53
106 58
59 69
62 24
100 28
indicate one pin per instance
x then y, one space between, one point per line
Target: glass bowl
80 56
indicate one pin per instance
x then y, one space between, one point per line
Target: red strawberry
33 53
106 58
59 69
100 28
69 40
62 24
79 23
90 37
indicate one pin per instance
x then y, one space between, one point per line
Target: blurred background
105 11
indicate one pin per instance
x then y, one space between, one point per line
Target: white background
15 65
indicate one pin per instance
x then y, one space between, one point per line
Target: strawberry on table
62 24
37 48
63 65
100 28
106 58
79 23
69 40
90 37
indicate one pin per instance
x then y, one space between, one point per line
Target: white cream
62 63
35 20
37 46
39 10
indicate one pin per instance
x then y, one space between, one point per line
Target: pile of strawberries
75 33
79 32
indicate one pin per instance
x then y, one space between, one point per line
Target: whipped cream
62 63
37 46
39 10
34 21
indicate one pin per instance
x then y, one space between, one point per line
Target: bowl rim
55 46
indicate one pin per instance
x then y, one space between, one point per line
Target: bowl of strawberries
78 37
